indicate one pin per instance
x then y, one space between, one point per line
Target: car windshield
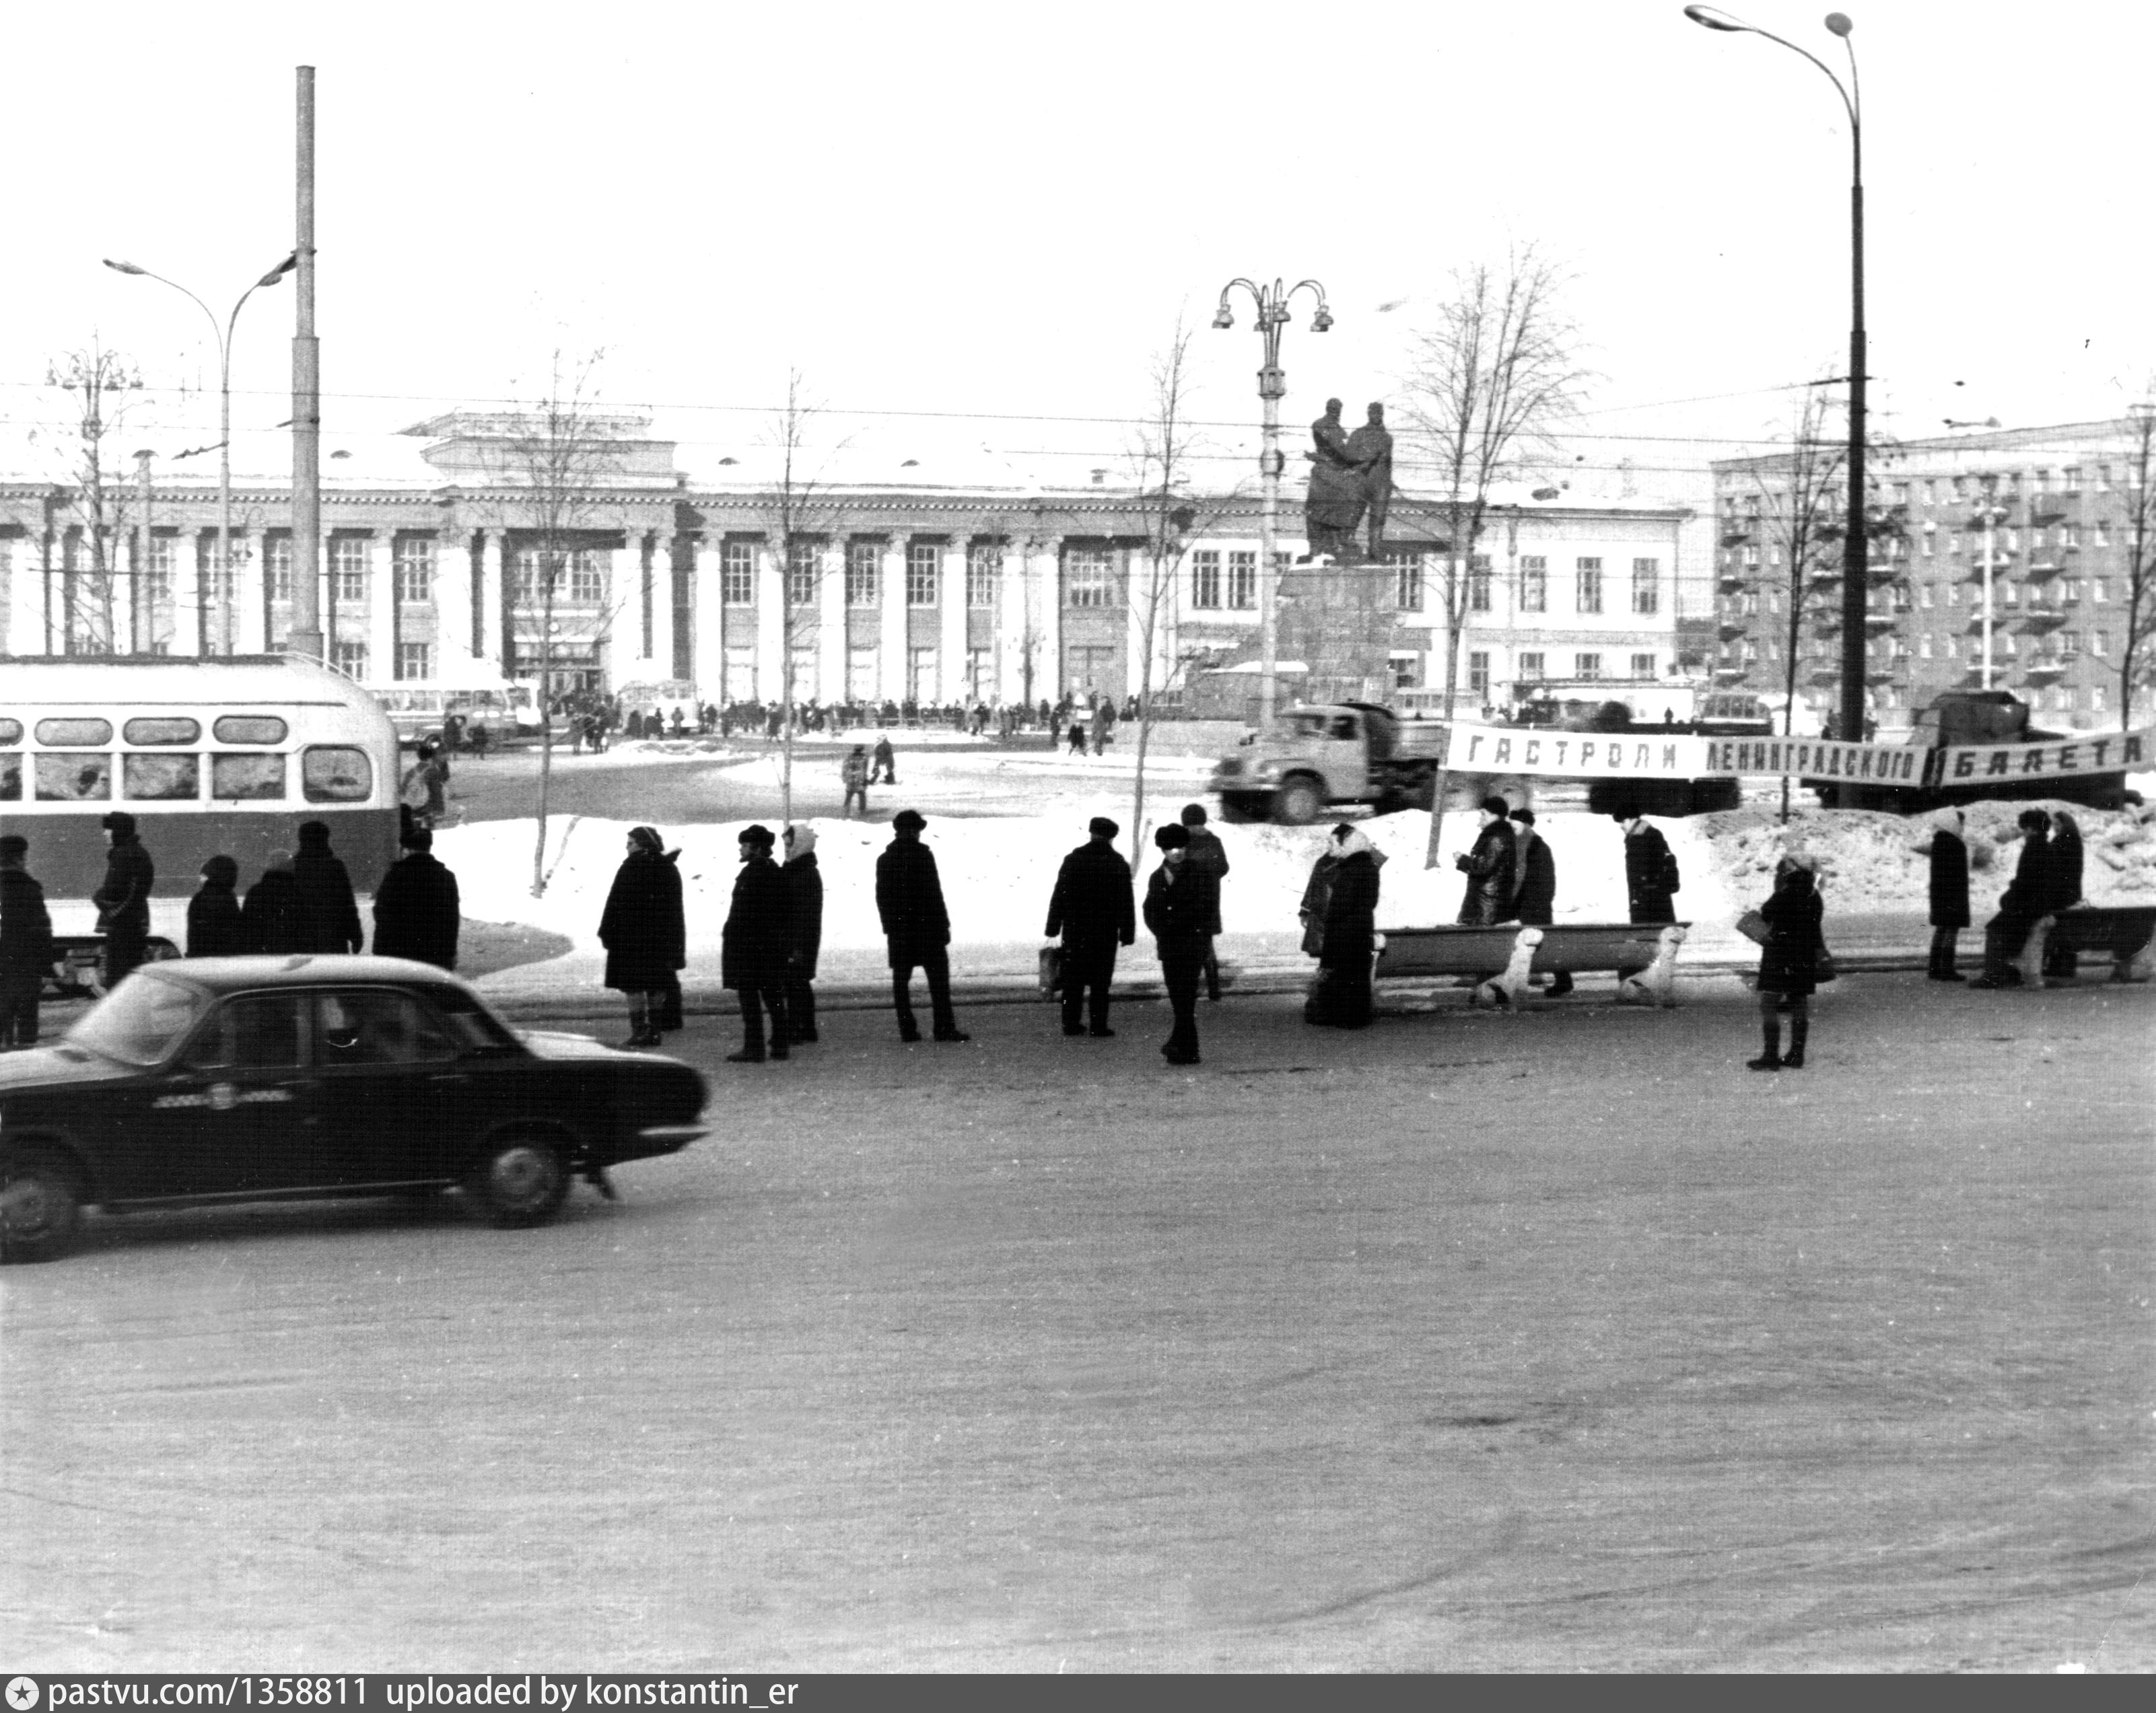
139 1020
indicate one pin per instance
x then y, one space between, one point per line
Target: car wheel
40 1206
1300 802
522 1181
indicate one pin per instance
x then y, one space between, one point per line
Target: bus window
67 733
153 733
331 774
11 779
166 778
73 775
248 728
11 731
246 779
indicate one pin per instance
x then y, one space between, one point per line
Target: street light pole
1855 544
223 335
1272 386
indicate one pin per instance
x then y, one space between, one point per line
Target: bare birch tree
95 497
803 517
1487 386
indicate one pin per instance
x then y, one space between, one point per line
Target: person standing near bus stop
123 899
328 914
26 944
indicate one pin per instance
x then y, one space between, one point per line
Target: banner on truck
2081 752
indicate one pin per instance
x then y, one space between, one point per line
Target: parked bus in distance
227 754
418 710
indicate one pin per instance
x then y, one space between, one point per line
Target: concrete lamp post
224 333
1272 386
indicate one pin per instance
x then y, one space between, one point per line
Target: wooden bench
1643 954
2124 932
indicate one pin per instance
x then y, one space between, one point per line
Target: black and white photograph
851 841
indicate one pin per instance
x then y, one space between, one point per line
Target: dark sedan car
250 1079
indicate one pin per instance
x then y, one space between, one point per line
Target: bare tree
2140 545
91 579
1487 386
1173 513
560 456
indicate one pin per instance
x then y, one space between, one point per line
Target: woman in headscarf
1343 995
642 928
1788 961
1947 890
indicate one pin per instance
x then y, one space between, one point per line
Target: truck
1325 754
1959 718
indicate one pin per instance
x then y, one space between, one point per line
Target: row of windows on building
1533 666
1946 490
2059 645
1532 583
2006 542
2063 591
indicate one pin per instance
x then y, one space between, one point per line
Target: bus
227 754
418 710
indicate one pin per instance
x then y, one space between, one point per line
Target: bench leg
2138 965
2031 962
1510 986
1656 984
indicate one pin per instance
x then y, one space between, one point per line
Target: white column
452 593
493 654
831 662
22 601
952 644
1047 597
381 609
1010 626
707 620
892 654
770 623
250 559
187 590
1139 592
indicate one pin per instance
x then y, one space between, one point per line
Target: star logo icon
21 1693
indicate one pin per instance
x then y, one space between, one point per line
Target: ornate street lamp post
1272 386
1856 547
223 334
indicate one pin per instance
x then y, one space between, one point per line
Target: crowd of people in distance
593 720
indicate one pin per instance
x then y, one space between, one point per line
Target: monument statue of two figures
1351 475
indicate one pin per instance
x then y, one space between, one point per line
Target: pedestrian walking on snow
754 947
418 913
1077 736
853 775
1789 962
1182 904
804 923
916 927
886 766
214 929
644 933
1091 911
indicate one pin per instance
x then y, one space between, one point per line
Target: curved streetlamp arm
1727 25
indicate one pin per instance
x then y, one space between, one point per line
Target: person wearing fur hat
26 944
328 913
804 922
270 915
1091 911
1488 867
1650 872
1341 997
754 947
1947 850
642 928
418 912
122 899
1182 902
214 929
1789 962
916 927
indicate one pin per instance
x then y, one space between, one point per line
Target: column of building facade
770 622
954 658
707 629
831 656
452 595
487 591
894 654
1045 559
1150 592
381 608
188 549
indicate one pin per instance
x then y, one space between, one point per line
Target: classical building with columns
928 586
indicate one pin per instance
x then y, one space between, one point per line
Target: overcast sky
977 222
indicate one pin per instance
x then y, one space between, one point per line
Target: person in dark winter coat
1210 857
2021 904
804 922
329 913
269 917
1091 911
915 927
754 945
1343 995
214 929
122 899
1182 904
1311 911
417 910
1650 872
1534 900
2063 869
885 770
26 944
1488 867
642 928
1949 851
1789 962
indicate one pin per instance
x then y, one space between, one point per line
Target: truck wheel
1238 810
1299 802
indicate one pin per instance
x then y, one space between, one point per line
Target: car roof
226 974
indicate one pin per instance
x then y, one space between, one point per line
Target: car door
238 1113
393 1093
